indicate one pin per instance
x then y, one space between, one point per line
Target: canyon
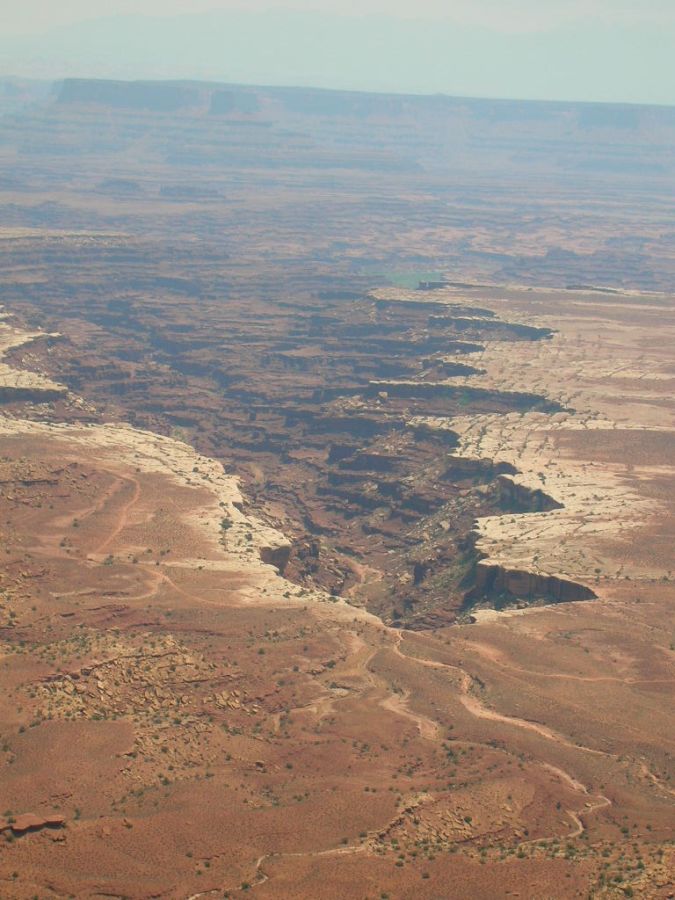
337 496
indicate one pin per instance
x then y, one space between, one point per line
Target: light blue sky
614 50
505 15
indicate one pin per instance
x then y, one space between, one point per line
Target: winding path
123 514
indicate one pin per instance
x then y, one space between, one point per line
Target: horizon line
308 87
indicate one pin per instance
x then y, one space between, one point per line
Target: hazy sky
22 16
611 50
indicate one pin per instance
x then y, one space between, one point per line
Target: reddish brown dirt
186 721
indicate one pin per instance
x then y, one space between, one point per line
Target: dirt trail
650 776
348 850
566 777
588 809
398 703
495 656
123 514
477 708
361 573
357 666
188 596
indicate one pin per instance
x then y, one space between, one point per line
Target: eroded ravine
377 508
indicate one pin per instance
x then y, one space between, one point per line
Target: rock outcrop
27 822
505 586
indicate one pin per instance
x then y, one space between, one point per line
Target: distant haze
600 50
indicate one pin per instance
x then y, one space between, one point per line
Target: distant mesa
233 101
156 96
160 97
321 102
